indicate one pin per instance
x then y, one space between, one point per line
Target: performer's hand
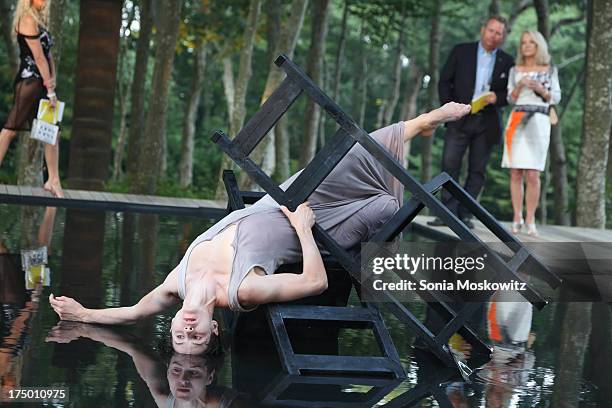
67 308
492 98
302 219
65 332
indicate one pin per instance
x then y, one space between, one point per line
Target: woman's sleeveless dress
28 85
351 204
528 133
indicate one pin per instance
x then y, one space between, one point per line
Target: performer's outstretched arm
156 301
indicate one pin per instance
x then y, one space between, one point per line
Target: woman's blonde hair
25 7
542 56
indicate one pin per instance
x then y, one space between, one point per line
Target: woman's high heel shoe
517 226
532 231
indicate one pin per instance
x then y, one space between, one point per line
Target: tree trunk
558 166
597 119
228 86
120 146
313 69
340 55
435 35
123 84
541 8
278 136
397 76
609 172
187 142
29 165
543 205
558 160
380 114
57 13
273 31
238 110
273 10
155 127
281 149
323 116
409 106
494 8
244 69
362 78
96 76
6 21
137 98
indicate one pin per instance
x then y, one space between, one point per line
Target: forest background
173 72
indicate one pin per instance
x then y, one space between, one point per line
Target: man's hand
302 219
67 308
492 98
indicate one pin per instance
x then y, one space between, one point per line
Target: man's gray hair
497 18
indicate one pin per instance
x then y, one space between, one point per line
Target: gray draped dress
351 204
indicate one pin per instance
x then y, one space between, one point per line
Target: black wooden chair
349 133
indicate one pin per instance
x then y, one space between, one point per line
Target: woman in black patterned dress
34 81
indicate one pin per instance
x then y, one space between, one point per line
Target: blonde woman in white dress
533 86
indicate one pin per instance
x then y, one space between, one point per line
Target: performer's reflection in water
185 381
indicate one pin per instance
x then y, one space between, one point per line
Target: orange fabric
513 122
494 330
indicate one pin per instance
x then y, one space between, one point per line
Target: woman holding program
35 79
533 86
232 263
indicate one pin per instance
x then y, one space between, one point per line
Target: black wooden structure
105 201
349 133
366 317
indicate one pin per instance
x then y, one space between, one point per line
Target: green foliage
220 25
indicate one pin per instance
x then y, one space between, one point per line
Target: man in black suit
471 70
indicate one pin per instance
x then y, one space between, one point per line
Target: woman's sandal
517 226
532 231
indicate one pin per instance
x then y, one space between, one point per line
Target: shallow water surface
560 356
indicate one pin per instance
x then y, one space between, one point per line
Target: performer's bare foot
449 112
55 188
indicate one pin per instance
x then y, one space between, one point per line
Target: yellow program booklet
480 102
50 114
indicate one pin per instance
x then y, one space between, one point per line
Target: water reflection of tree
573 342
597 368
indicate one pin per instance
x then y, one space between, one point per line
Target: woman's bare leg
53 184
46 227
532 195
516 193
6 137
